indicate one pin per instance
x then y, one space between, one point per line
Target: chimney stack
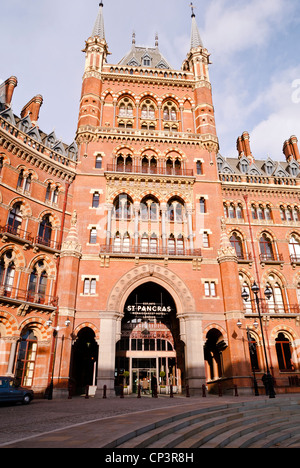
7 90
243 146
291 149
32 108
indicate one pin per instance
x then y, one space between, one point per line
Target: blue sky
254 46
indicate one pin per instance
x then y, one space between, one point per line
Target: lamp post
55 336
268 293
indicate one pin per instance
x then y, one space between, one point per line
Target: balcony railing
295 258
244 257
47 243
28 296
271 258
267 308
150 251
150 170
17 232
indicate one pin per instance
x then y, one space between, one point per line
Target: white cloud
236 26
282 115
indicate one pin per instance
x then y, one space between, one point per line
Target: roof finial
133 37
156 40
192 7
99 24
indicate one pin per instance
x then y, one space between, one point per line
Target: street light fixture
55 335
268 293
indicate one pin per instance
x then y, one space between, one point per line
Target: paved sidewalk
92 423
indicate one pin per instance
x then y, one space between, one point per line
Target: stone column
108 229
163 208
110 334
191 334
190 228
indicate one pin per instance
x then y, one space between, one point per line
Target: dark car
11 392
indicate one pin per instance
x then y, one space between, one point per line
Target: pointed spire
99 24
195 36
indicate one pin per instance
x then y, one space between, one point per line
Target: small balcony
150 170
16 233
149 251
271 258
47 243
17 296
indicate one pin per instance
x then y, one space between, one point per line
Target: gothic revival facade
125 253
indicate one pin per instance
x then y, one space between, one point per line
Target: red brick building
125 254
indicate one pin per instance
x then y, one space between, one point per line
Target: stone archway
190 321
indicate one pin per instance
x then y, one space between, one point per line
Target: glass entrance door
142 372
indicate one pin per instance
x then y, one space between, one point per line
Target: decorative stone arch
119 148
6 159
49 264
18 256
292 233
240 233
182 297
151 193
269 233
87 325
179 195
287 331
10 324
53 218
217 327
277 274
25 206
172 152
119 192
38 325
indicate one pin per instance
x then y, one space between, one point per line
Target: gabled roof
137 54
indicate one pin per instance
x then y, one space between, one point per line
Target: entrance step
255 424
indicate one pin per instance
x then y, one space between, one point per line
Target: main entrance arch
189 322
150 343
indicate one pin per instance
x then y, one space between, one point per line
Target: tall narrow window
45 231
26 358
284 355
266 248
238 245
15 218
205 239
93 236
202 205
96 200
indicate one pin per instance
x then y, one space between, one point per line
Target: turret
96 52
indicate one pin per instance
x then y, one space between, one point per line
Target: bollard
87 392
220 390
187 391
122 392
171 391
139 391
236 393
104 391
203 391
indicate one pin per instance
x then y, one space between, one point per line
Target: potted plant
125 381
162 375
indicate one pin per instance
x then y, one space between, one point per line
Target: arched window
213 349
15 218
266 248
170 111
149 209
283 351
294 247
276 303
237 244
123 207
38 283
176 211
26 359
126 108
148 110
253 351
45 231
